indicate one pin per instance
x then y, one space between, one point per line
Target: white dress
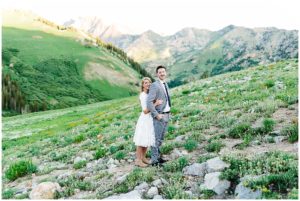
144 132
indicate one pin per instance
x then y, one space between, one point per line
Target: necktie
167 94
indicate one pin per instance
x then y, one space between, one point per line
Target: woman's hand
158 102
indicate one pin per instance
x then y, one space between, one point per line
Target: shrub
214 146
291 131
239 130
167 148
177 165
175 188
190 145
79 138
268 125
293 194
207 194
7 194
269 83
80 164
119 155
204 158
19 169
101 152
134 178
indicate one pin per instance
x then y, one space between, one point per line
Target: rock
158 197
164 181
279 139
157 183
189 193
179 138
64 175
135 194
215 165
195 169
110 161
122 178
176 153
88 155
212 182
81 175
45 190
152 192
242 192
142 187
78 159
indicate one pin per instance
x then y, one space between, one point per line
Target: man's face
161 74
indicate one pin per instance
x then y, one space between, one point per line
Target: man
159 90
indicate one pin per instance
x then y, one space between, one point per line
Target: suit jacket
157 91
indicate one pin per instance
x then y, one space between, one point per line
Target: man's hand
159 117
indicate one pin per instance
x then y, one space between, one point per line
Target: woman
144 136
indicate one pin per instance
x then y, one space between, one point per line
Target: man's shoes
160 160
157 164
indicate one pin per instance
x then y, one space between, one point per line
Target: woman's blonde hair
143 80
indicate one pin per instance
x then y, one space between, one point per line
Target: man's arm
150 100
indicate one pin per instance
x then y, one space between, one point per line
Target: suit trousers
160 128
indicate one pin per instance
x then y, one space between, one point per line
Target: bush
19 169
207 194
190 145
175 188
79 138
7 194
177 165
204 158
293 194
291 131
268 125
269 83
239 130
101 152
119 155
167 148
214 146
80 164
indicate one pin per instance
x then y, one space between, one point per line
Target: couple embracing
153 121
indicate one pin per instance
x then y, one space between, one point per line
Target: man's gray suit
156 92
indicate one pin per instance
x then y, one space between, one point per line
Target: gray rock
164 181
142 187
82 175
135 194
212 182
215 165
157 183
243 192
195 169
122 178
279 139
152 192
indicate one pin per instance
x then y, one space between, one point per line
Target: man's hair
158 67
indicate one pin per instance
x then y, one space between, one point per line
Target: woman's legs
144 151
139 157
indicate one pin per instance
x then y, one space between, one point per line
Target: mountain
229 134
193 53
48 66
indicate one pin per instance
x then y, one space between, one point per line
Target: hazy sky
169 16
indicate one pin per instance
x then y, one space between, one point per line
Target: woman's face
146 85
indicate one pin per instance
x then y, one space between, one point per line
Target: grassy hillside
48 67
239 116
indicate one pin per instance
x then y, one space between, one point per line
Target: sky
169 16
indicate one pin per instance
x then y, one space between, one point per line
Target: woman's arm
156 103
